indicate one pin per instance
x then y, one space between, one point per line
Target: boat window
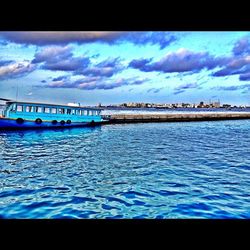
85 112
61 111
53 110
68 111
13 107
46 110
39 109
19 108
28 108
73 112
78 112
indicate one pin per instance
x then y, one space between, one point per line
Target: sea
178 170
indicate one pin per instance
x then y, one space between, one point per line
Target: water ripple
165 170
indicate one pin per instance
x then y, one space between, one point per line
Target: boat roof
55 105
4 99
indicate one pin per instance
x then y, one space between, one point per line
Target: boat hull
10 124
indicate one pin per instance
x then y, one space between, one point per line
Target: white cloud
16 69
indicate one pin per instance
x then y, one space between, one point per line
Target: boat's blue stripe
9 123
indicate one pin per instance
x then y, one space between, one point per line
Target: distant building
215 104
148 105
226 106
186 105
200 105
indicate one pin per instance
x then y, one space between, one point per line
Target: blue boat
24 115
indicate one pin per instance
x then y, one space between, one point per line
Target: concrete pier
182 117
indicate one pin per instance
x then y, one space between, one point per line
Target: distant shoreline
126 111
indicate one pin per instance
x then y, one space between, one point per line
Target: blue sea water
151 170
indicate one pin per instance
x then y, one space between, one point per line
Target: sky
118 67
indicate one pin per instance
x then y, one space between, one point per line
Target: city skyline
120 67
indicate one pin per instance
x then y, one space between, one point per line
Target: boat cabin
48 112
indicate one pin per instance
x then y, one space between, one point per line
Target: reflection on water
153 170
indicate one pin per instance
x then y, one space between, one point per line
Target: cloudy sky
117 67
